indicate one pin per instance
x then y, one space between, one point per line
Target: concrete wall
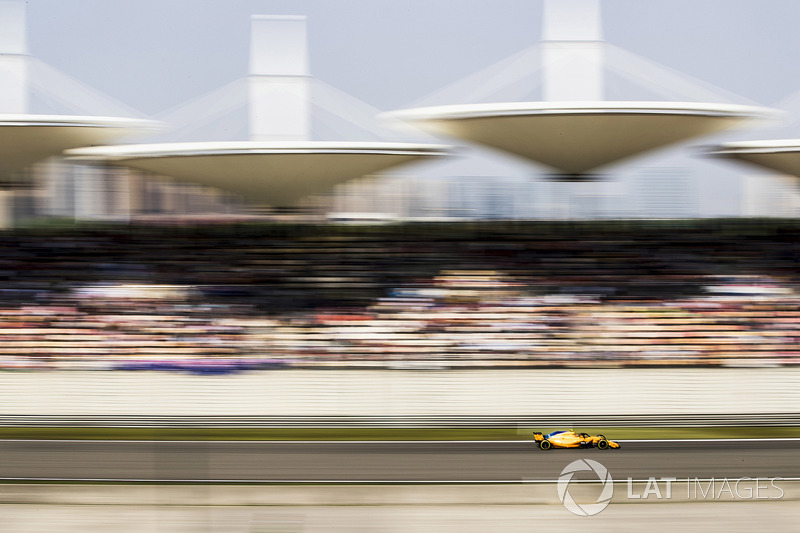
396 393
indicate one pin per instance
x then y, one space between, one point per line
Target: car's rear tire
602 444
545 445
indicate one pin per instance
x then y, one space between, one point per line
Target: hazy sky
155 54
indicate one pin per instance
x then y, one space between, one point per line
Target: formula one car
570 439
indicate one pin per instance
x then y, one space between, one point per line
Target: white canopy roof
779 155
275 173
25 139
577 138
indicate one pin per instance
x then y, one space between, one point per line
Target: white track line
211 441
765 439
280 481
367 481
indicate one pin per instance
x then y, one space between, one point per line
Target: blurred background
219 218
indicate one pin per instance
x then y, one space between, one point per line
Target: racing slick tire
545 445
602 444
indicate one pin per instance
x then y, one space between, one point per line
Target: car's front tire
545 445
602 444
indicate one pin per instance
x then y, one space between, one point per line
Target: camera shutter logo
586 509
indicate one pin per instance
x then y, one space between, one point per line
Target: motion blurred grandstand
386 289
234 297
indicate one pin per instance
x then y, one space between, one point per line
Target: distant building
770 195
665 193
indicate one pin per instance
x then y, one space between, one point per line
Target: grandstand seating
497 294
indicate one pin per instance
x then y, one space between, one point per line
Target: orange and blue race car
570 439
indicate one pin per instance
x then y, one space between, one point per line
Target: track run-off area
385 461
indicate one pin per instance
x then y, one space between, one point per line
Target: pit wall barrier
400 394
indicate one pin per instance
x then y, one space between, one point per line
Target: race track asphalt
385 461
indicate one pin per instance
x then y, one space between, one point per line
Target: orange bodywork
570 439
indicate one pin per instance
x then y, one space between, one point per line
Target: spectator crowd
447 295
